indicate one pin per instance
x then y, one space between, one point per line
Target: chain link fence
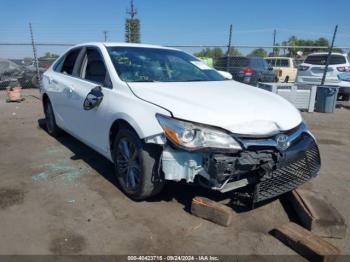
20 67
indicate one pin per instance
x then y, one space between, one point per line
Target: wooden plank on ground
306 243
317 214
211 210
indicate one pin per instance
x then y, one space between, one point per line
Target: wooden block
306 243
317 214
211 210
8 100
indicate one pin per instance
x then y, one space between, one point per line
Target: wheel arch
45 98
120 122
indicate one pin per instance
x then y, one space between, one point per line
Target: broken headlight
191 136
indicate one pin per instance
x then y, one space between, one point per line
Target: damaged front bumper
274 166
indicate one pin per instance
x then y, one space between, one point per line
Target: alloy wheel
128 164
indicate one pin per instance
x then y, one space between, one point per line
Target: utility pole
105 33
329 56
274 42
36 62
229 41
229 48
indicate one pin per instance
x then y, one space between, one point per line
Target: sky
171 22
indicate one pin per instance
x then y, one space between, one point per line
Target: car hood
236 107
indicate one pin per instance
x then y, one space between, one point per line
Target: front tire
136 165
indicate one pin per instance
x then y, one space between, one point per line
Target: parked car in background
248 70
158 114
26 75
310 72
284 67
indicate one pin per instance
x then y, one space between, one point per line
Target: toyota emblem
282 142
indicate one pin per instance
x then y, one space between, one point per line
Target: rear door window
322 59
271 62
264 64
254 63
69 61
284 63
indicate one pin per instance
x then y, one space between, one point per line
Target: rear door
59 84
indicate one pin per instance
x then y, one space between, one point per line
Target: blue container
326 98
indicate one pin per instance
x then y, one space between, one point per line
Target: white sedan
161 114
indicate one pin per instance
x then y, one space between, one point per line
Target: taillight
303 68
343 69
247 71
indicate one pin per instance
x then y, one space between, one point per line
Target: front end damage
272 165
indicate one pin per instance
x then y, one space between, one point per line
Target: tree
320 42
132 31
234 52
49 55
215 52
259 52
132 26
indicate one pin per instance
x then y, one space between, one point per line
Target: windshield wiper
143 81
196 80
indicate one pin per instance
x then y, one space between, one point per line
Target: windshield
137 64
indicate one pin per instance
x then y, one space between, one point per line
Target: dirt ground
60 197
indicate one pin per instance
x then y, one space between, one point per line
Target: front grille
287 178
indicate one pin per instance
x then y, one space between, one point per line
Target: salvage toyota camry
161 114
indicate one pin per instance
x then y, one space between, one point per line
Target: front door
90 121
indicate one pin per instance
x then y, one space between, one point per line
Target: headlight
193 136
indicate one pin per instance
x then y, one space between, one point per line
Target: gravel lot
60 197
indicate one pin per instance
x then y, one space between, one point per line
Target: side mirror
225 74
93 98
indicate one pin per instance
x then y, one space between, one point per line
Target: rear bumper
344 90
309 80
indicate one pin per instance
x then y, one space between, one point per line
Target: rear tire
137 165
50 121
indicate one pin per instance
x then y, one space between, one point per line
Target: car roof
326 53
117 44
278 57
